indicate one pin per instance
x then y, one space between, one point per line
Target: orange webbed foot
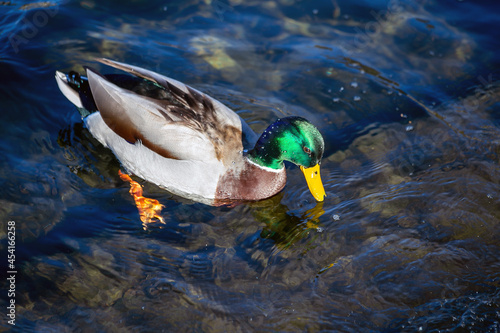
149 209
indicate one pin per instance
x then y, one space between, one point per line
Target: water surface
406 95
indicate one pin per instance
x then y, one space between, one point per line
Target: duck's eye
307 150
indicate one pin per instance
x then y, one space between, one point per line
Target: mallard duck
181 139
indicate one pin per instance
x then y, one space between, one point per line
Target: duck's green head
296 140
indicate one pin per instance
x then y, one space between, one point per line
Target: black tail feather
81 84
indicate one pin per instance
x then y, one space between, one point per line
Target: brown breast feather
249 183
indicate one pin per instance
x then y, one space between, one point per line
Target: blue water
406 94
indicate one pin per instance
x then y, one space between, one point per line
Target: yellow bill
314 183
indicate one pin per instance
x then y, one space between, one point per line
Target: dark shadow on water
282 226
100 166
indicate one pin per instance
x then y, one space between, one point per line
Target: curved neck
259 157
268 151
